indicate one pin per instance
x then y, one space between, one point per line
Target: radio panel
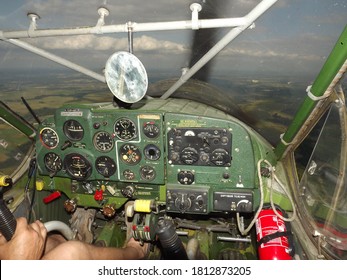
199 146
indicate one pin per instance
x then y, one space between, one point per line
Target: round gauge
220 157
73 130
152 152
147 173
189 155
53 162
129 174
103 141
77 166
130 154
125 129
151 130
49 138
105 166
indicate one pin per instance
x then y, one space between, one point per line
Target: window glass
323 183
14 146
303 153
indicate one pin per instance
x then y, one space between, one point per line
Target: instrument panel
186 161
84 146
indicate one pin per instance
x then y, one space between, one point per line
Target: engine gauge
105 166
130 154
125 129
77 166
103 141
147 173
129 174
49 138
152 152
73 130
151 130
53 162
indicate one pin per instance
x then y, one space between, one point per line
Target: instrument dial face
103 141
77 166
151 130
147 173
129 174
73 130
220 157
130 154
53 162
49 138
125 129
152 152
189 155
105 166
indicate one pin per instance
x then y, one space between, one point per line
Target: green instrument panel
192 163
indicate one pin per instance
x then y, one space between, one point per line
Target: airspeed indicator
49 138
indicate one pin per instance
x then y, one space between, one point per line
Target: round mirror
126 77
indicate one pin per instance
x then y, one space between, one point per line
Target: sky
293 38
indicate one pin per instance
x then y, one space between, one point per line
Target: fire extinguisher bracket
272 236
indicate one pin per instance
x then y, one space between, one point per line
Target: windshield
265 70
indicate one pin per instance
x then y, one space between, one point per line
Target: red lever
52 197
99 195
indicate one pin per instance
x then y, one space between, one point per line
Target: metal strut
238 24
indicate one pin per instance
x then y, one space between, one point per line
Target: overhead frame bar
124 28
238 25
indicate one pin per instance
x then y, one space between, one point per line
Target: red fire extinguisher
274 236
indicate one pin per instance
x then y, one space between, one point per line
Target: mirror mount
121 104
130 36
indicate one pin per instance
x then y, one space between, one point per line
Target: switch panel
233 201
184 200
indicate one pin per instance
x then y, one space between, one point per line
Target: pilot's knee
69 250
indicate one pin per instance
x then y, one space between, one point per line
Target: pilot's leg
77 250
53 241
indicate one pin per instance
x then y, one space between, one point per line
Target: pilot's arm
27 242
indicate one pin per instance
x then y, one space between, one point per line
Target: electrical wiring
241 228
261 189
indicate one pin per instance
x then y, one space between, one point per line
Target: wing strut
330 74
56 59
261 8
